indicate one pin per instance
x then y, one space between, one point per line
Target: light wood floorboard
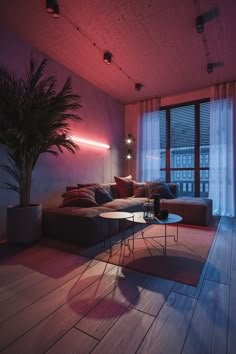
173 318
55 301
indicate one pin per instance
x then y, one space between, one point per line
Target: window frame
196 169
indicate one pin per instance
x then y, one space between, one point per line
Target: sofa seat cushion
77 211
128 204
195 210
80 225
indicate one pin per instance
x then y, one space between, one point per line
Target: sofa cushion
83 226
102 196
159 188
125 186
129 204
139 189
83 197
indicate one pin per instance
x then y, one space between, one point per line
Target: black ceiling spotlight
52 7
209 68
138 86
49 6
206 17
199 24
107 57
56 11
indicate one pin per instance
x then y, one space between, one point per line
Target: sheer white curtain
222 149
149 141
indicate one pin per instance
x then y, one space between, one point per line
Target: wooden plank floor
55 301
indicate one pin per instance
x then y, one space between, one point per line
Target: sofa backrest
174 187
113 190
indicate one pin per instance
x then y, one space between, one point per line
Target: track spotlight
107 57
138 86
49 6
199 24
56 11
209 68
52 7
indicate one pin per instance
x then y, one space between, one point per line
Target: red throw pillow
82 197
124 186
139 189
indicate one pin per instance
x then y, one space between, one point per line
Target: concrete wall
103 121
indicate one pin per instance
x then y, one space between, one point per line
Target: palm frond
11 170
10 186
34 118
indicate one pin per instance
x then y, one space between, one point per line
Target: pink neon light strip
90 142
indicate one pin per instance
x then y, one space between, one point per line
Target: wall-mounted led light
130 139
129 154
90 142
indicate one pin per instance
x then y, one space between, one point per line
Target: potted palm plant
34 119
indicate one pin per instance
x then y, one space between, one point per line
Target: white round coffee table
172 219
122 217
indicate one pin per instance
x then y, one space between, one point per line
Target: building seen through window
184 154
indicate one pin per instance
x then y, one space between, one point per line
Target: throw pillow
124 186
139 189
83 197
102 196
159 188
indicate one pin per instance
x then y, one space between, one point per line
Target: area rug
184 259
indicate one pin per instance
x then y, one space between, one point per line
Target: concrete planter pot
24 223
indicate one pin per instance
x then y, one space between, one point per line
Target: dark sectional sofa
84 226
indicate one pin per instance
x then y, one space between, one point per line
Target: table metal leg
165 242
164 246
131 249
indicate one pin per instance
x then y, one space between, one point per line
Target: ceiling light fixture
209 68
56 11
138 86
52 8
49 6
107 57
199 24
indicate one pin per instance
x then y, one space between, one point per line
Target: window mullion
168 145
197 150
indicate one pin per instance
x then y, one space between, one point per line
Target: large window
184 133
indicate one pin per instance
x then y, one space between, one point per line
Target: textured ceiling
153 42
